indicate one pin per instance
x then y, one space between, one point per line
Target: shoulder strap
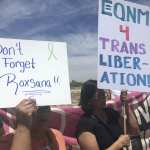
104 124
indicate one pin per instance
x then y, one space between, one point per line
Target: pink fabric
72 117
8 121
68 115
65 118
5 142
70 140
134 98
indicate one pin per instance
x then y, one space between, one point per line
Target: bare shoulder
87 141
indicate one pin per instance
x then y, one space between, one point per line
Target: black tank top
106 132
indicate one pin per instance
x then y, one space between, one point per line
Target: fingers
124 95
27 106
124 140
24 111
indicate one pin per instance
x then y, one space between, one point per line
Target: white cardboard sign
36 69
123 46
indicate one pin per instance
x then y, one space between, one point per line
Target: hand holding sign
24 111
124 96
123 140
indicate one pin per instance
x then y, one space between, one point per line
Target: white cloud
83 50
83 68
82 44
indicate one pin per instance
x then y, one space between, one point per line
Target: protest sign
33 69
123 57
123 46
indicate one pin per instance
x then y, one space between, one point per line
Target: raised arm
22 137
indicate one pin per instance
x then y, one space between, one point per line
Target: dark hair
88 94
88 91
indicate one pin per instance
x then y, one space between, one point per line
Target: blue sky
72 21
